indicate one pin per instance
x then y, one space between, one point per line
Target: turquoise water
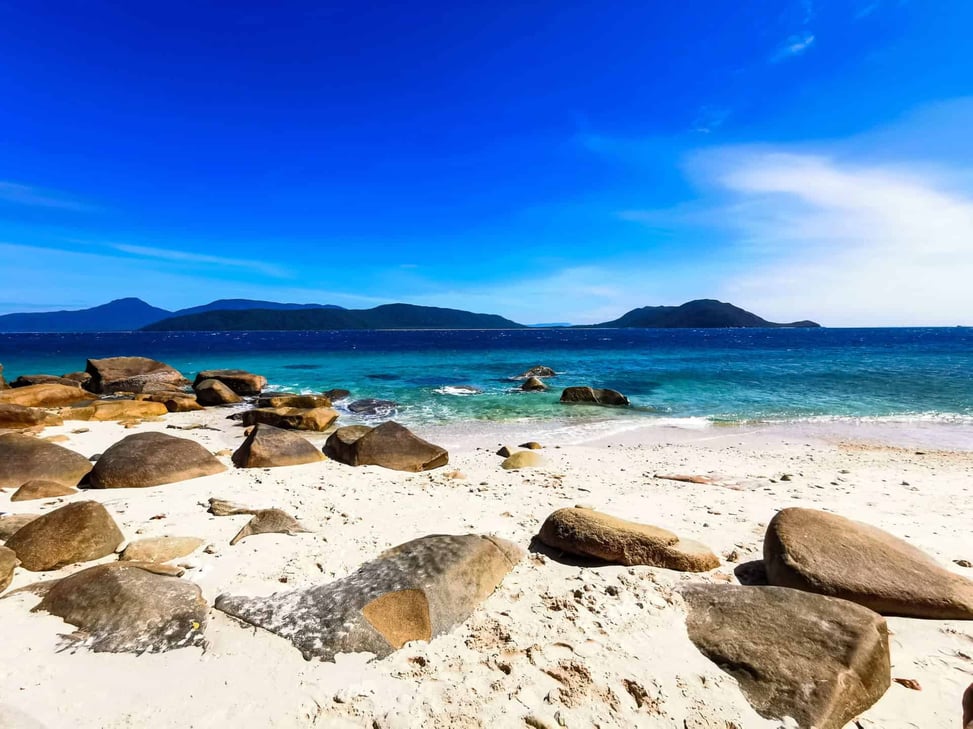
670 376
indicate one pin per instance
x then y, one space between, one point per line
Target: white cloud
793 46
18 194
171 254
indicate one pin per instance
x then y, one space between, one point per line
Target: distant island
132 314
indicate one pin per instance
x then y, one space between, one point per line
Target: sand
556 645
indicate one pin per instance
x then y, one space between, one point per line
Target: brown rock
522 459
77 532
531 445
819 660
240 381
317 419
533 385
536 372
506 451
82 378
39 489
121 607
10 523
8 563
19 416
340 445
45 396
24 459
269 521
214 392
106 410
415 591
176 402
160 549
389 445
132 374
152 459
825 553
337 393
267 446
590 533
28 380
284 400
593 396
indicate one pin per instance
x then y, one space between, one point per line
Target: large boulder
77 532
825 553
533 384
240 381
593 396
49 395
415 591
214 392
389 445
317 419
16 417
819 660
24 459
8 563
340 445
267 446
288 400
337 393
107 410
132 374
370 407
121 607
160 549
28 380
152 459
40 489
590 533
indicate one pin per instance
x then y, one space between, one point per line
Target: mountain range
133 314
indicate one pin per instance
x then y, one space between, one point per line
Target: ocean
681 377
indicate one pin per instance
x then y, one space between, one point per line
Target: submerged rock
415 591
132 374
535 372
267 447
825 553
77 532
371 407
533 384
240 381
819 660
124 608
591 533
337 393
389 445
594 396
24 459
214 392
152 459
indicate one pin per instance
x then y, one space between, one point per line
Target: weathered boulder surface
414 591
105 410
49 395
389 445
15 417
24 459
240 381
10 523
590 533
160 549
132 374
825 553
594 396
28 380
77 532
123 608
152 459
175 401
533 384
267 446
8 563
214 392
287 400
40 489
538 372
316 419
820 660
522 459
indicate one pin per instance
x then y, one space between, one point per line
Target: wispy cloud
795 45
18 194
171 254
709 119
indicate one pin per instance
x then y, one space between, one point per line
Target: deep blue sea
671 376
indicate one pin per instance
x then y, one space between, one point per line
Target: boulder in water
77 532
337 393
536 372
593 396
533 384
160 549
132 374
371 407
152 459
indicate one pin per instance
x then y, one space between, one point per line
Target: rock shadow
753 573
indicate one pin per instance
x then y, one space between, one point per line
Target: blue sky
547 161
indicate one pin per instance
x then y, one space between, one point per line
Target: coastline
609 627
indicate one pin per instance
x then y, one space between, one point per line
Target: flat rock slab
316 419
240 381
593 396
415 591
41 489
590 533
8 563
819 660
24 459
132 374
48 395
160 549
152 459
122 608
78 532
214 392
268 447
389 445
825 553
14 417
